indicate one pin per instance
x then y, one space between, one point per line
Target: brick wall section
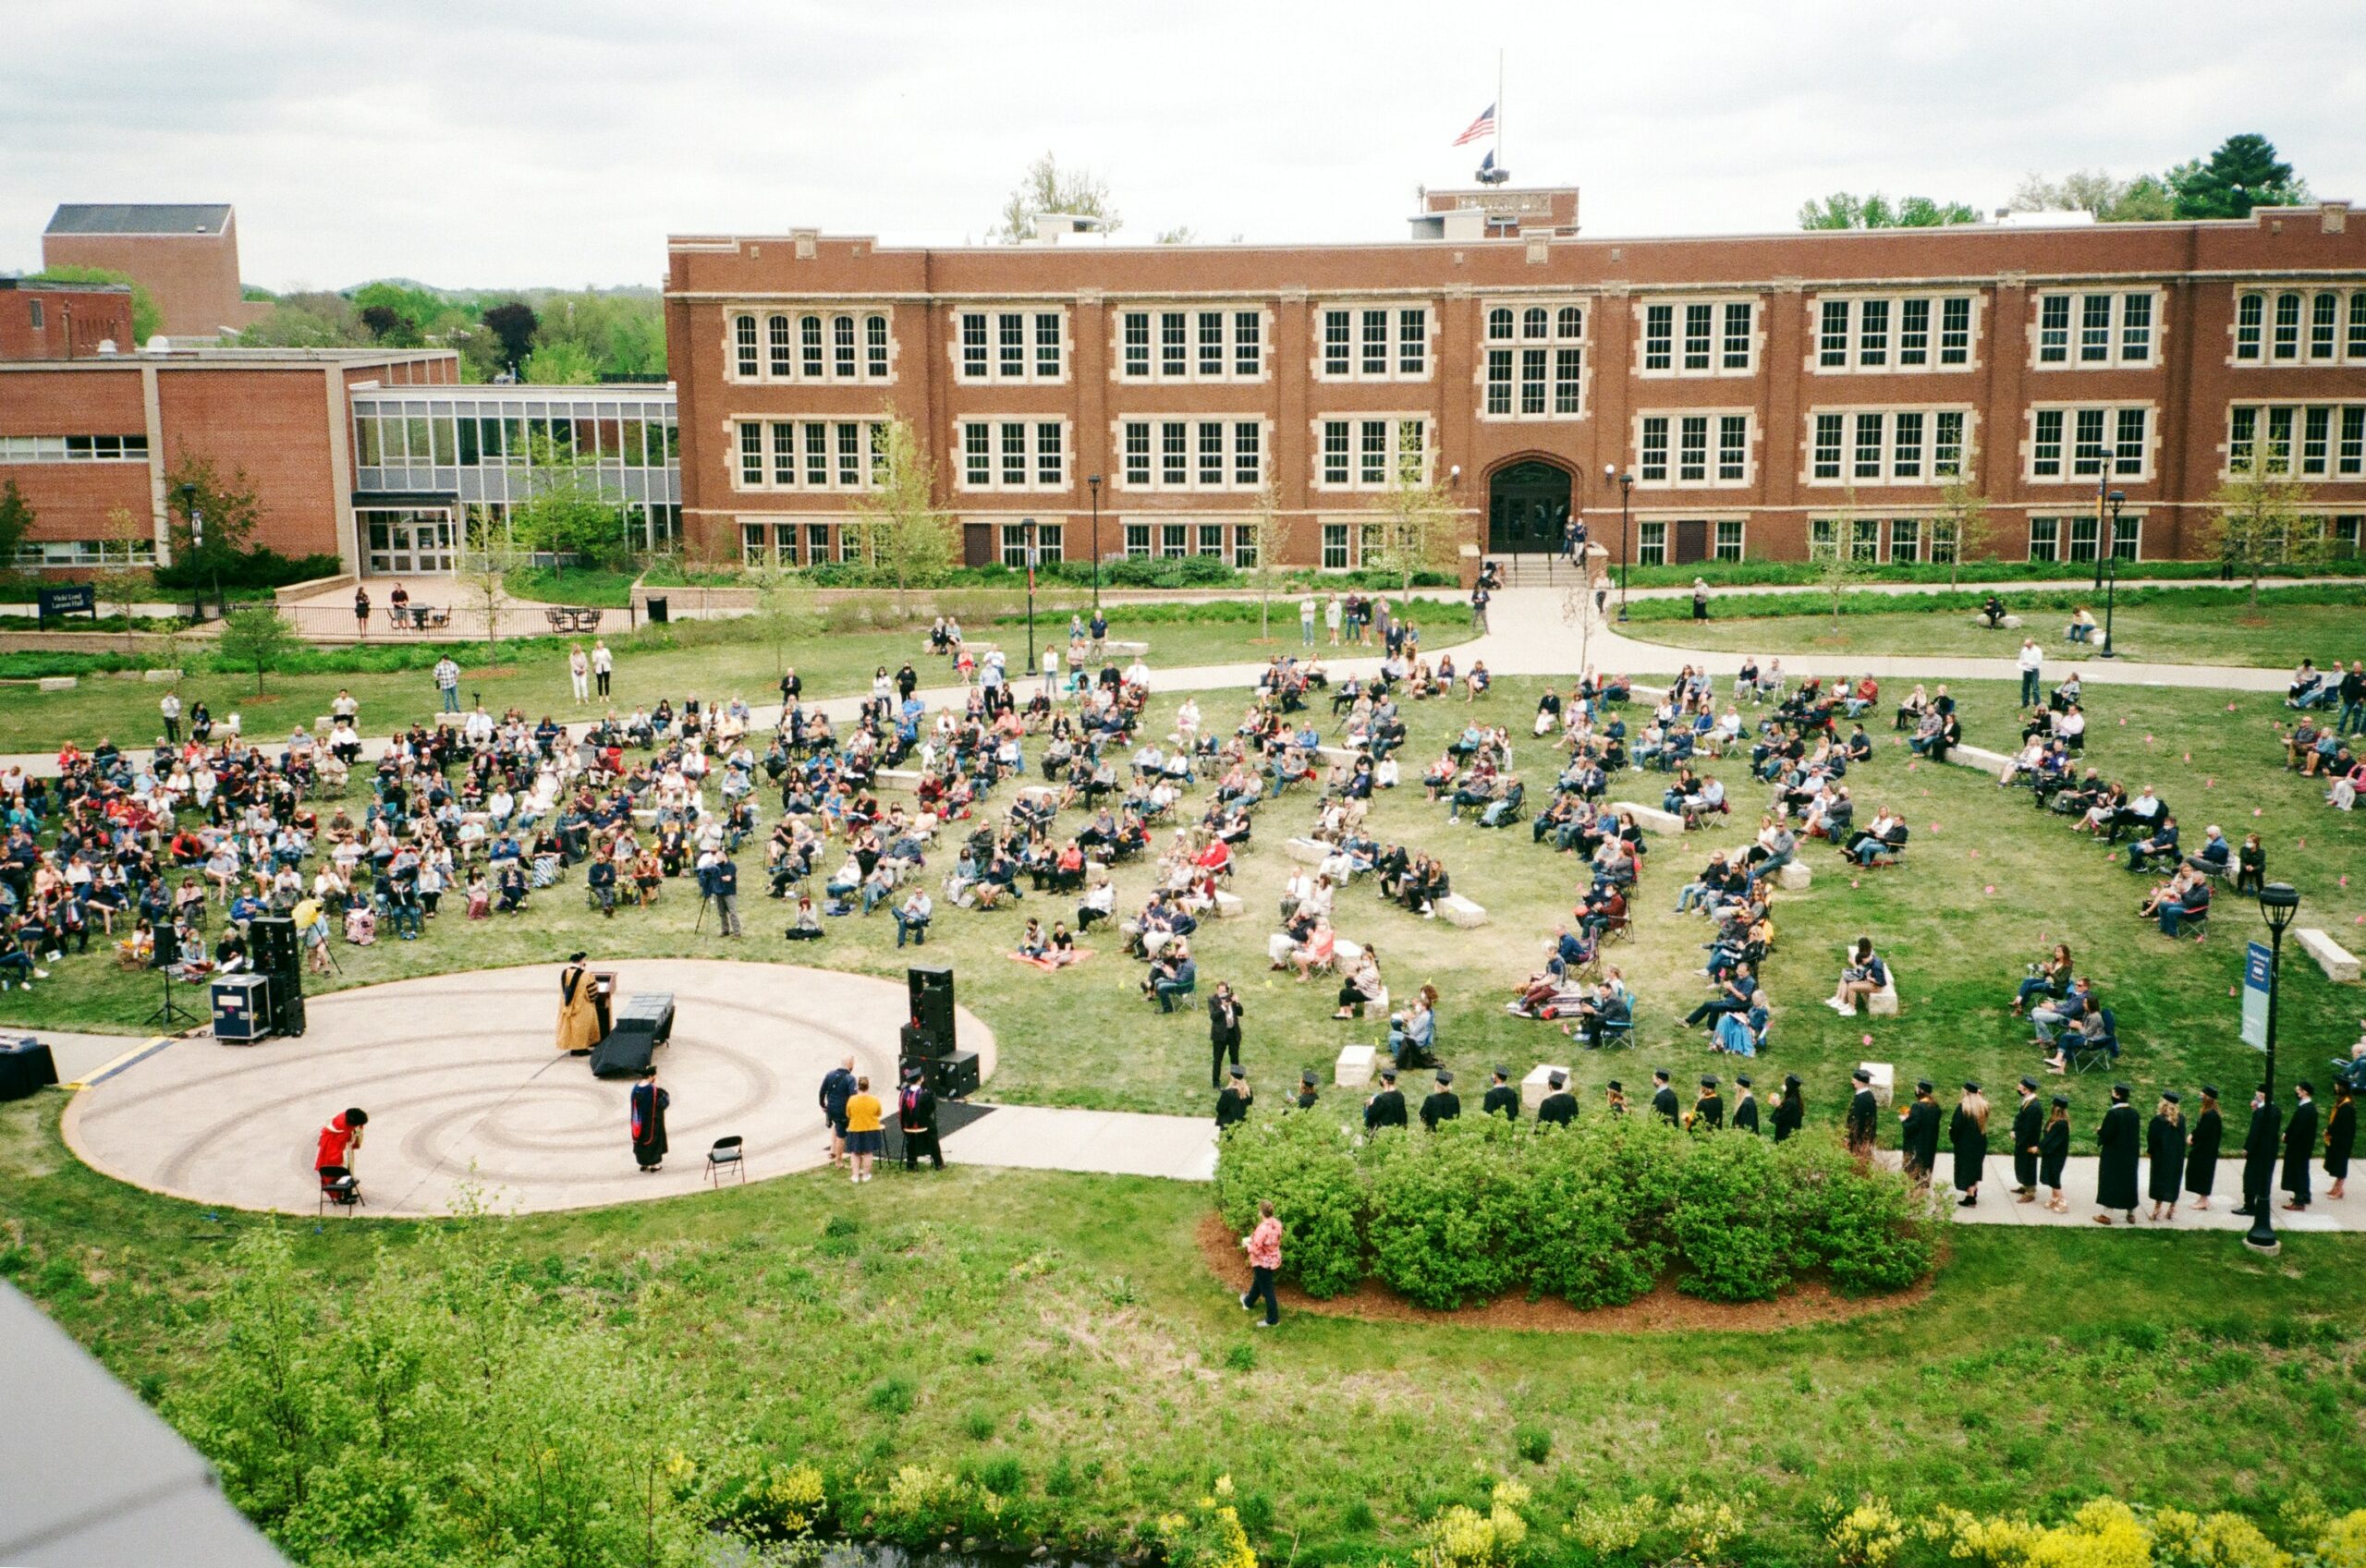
193 278
2199 268
74 322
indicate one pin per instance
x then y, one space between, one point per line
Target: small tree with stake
1962 527
904 538
2260 517
1417 521
260 637
485 559
1264 531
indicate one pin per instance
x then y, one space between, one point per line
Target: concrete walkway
1998 1207
1115 1143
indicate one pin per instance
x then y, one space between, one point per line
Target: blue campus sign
2255 975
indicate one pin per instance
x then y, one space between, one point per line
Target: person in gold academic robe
579 1021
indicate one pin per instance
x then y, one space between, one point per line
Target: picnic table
417 617
573 618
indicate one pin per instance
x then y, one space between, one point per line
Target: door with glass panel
408 543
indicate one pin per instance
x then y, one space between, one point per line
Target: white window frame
1037 432
2075 536
2124 326
1671 420
1395 425
1253 432
1397 347
1719 543
1563 359
1858 339
1678 338
131 448
2260 341
1247 339
1929 471
2070 447
2336 457
1033 314
796 358
798 461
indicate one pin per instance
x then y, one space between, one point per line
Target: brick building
63 321
1763 393
83 437
186 255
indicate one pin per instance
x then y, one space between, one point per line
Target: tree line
2243 173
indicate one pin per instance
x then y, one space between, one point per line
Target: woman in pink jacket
1264 1247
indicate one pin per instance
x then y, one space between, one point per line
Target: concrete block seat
1117 644
1539 1083
2339 965
1460 911
1354 1067
1651 818
2009 624
1229 906
1795 876
1884 1083
1308 851
897 778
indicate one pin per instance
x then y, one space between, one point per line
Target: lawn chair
729 1154
340 1188
2087 1053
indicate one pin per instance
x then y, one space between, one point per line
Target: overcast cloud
501 143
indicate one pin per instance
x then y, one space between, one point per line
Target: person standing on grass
579 673
1264 1246
448 684
1918 1134
1700 599
837 1088
2202 1148
1862 1110
2032 663
863 1136
171 709
604 665
1233 1104
1223 1032
1789 1110
2118 1141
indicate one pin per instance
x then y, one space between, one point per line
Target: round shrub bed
1596 1212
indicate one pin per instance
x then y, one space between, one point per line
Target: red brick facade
2048 353
62 320
193 278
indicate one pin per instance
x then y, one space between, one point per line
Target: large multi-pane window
73 448
1699 337
1014 454
2089 442
812 345
2097 329
1011 344
1534 366
1179 453
1882 334
1707 448
1224 342
809 455
1048 546
1372 453
2298 441
1373 341
2292 326
1886 445
2074 537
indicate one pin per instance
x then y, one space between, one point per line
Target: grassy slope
2158 633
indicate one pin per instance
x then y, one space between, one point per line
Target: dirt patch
1664 1310
492 671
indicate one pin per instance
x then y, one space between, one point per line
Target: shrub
1447 1211
1306 1165
1732 1220
1531 1443
1597 1193
1868 1228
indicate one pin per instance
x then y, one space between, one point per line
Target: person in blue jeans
2352 692
912 919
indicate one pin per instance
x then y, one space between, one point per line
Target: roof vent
106 345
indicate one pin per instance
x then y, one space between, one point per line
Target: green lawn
2160 632
715 660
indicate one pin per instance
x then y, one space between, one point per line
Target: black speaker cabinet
932 1007
914 1044
271 940
951 1078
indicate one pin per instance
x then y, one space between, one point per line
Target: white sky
511 143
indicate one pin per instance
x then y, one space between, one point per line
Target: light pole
196 549
1094 481
2103 546
1029 524
2117 499
2278 902
1626 482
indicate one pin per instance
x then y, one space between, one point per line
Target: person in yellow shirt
864 1137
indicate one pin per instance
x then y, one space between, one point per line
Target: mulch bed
1664 1310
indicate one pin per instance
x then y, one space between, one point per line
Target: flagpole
1499 110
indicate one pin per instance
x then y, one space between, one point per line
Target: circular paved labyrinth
464 1086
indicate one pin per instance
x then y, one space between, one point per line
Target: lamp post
1029 524
2102 544
2116 498
1626 482
2278 903
196 549
1094 482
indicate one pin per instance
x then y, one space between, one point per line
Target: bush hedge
1760 606
1597 1213
1769 574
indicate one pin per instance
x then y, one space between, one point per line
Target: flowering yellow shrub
1209 1537
2343 1542
797 1492
2220 1541
1464 1537
1867 1535
920 1490
1616 1529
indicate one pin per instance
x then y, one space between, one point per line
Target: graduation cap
2305 1087
1742 1078
1616 1087
1971 1087
1503 1073
2029 1083
1558 1078
1238 1071
2120 1092
1445 1075
1307 1077
1708 1080
1923 1086
1861 1075
1659 1075
2210 1091
1790 1080
2173 1097
2062 1102
1388 1075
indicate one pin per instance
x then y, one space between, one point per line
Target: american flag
1484 126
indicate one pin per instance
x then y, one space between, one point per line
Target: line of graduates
1387 1107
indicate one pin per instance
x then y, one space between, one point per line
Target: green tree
787 609
2144 199
1264 535
1181 234
903 537
1418 522
2259 519
2242 174
571 510
562 364
1047 187
117 581
146 320
311 320
228 507
1962 527
16 521
481 572
385 323
259 638
1842 210
512 324
616 333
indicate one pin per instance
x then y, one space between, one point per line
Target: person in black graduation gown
1862 1110
2164 1142
1790 1111
1968 1135
2202 1148
1559 1108
1613 1095
916 1119
2119 1140
2029 1126
1441 1104
1502 1099
2258 1154
1662 1097
1745 1105
648 1103
2341 1137
1918 1134
2300 1146
1232 1105
1306 1095
1385 1108
1709 1111
1224 1031
2054 1153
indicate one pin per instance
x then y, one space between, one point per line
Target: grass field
710 660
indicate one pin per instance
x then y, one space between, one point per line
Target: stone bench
1881 1004
897 778
1354 1068
2339 965
1038 792
1307 851
1795 876
1993 763
1539 1083
1112 645
1229 906
1884 1083
1345 953
2009 624
1651 818
160 676
1460 911
60 683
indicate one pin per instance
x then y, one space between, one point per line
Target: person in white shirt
604 665
579 673
2032 665
1306 620
1051 664
171 707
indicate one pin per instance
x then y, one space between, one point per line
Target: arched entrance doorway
1528 507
